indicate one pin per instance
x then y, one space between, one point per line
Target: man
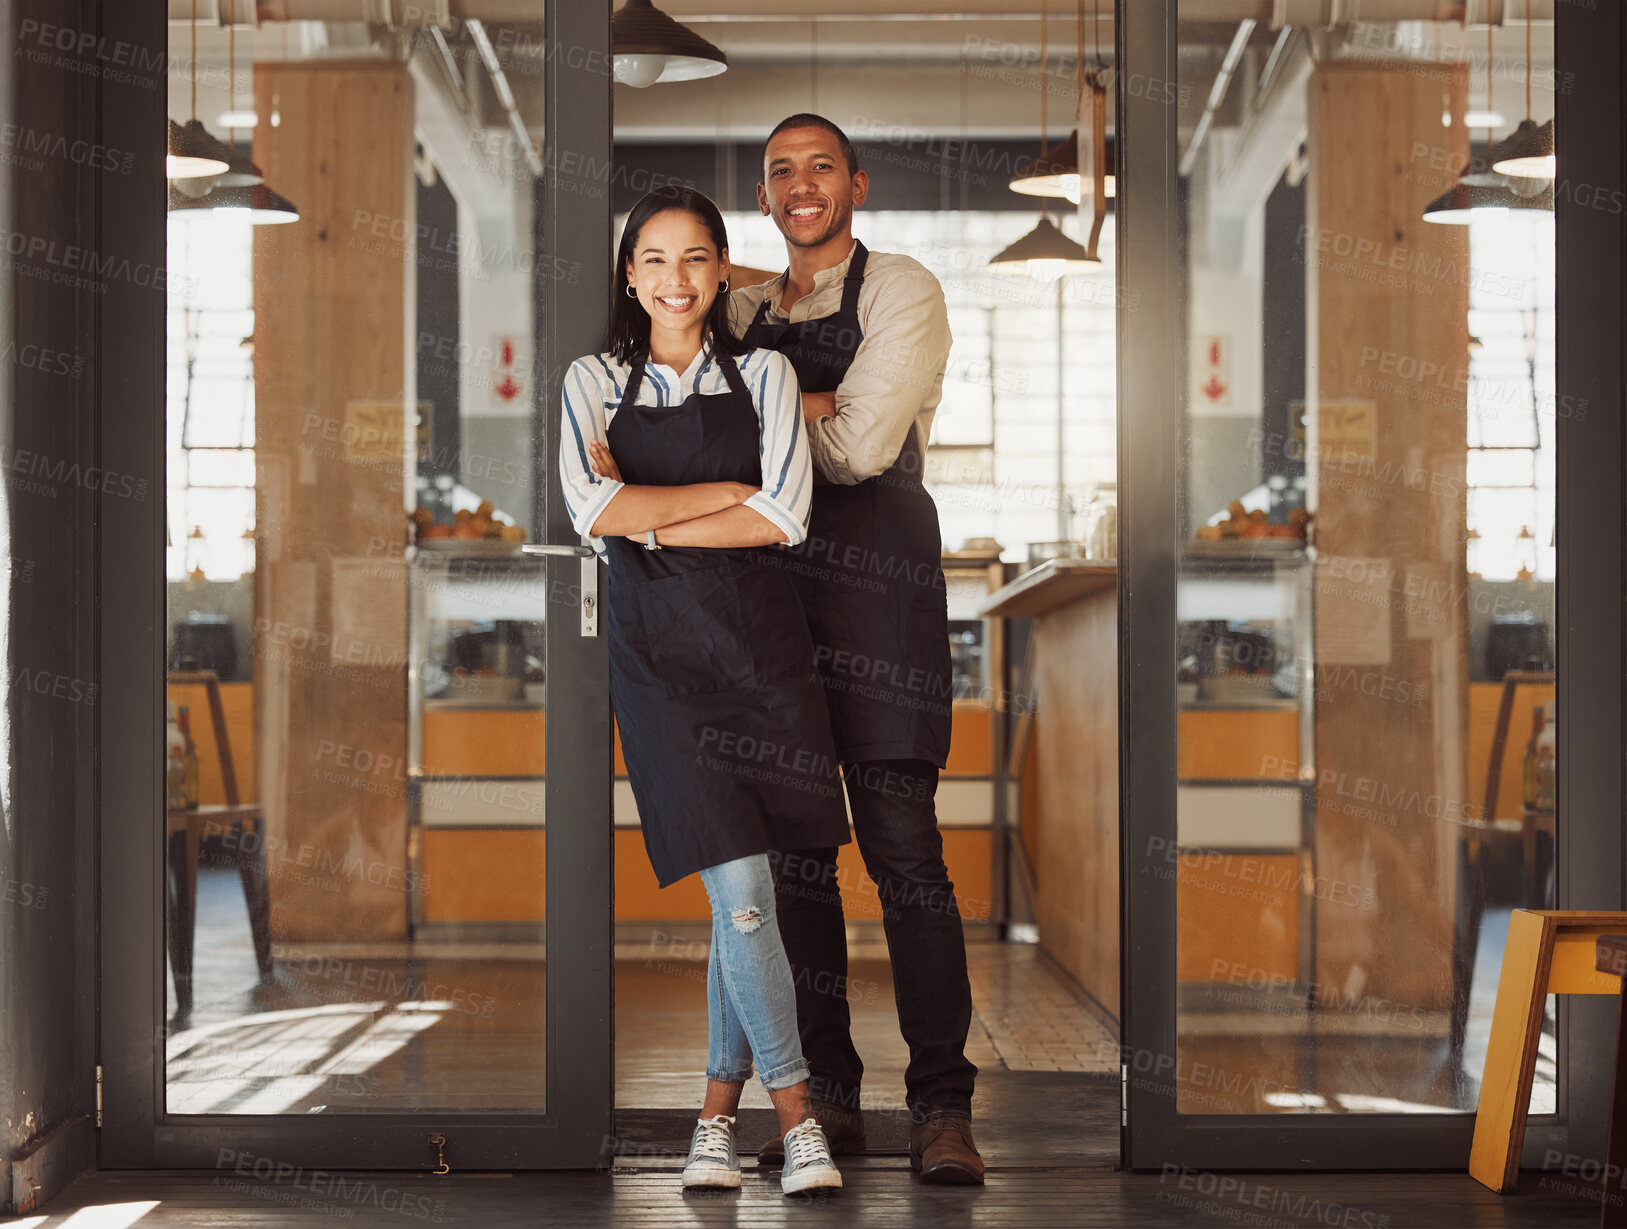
868 334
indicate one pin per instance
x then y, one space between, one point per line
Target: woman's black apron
723 723
870 574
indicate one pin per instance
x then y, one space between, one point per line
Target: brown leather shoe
941 1150
844 1132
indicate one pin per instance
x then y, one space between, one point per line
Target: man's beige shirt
896 380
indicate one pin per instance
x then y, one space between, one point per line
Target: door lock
590 596
590 579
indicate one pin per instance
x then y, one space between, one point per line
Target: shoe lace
805 1145
712 1139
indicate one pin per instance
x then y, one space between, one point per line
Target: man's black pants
895 821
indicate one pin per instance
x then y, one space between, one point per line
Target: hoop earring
724 288
631 291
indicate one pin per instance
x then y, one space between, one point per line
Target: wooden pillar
334 373
1387 296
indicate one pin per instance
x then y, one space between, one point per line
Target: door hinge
1124 1094
98 1094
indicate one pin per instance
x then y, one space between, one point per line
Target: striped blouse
593 389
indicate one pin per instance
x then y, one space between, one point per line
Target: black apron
723 723
870 574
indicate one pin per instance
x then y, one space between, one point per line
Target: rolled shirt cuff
603 493
793 526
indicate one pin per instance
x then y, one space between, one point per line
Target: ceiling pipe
499 81
1326 14
392 14
1322 12
1217 94
1274 14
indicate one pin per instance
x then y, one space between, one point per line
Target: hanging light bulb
649 47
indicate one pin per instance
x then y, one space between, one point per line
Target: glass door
358 914
1347 677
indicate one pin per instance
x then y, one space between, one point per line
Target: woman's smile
678 304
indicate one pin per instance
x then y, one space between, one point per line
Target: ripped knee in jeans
747 919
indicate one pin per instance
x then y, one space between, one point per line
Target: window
209 436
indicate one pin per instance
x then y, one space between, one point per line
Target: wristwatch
649 541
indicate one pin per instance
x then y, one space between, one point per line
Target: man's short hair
806 119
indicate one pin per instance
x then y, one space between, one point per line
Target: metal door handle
548 548
590 579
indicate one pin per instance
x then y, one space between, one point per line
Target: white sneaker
807 1160
712 1160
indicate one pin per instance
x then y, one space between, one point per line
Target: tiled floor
1035 1019
334 1032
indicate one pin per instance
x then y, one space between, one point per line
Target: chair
184 829
1549 951
1474 835
1534 819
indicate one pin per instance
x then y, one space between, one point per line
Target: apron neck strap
731 373
635 378
854 281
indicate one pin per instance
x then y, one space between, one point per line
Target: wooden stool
1549 952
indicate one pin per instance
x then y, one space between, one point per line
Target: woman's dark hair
628 337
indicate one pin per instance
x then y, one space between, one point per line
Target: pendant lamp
1481 189
240 190
1528 151
1455 206
257 204
192 151
1044 253
1055 172
651 47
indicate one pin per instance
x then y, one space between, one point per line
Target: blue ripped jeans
750 997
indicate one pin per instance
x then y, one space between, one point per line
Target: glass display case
1245 814
477 684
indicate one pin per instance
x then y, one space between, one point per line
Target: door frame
1591 43
575 1128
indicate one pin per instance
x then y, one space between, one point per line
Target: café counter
1070 786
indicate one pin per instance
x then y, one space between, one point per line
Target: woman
683 455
